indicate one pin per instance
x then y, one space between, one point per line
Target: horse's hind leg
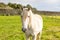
38 36
34 37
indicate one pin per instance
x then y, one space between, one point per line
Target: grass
10 28
51 29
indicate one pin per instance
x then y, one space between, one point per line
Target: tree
29 6
13 5
10 4
34 10
19 6
2 5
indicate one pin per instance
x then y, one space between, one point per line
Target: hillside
15 9
48 13
6 7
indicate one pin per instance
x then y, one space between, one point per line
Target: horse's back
38 21
38 16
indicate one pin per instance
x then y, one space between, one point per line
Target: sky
42 5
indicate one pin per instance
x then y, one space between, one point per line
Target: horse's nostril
23 29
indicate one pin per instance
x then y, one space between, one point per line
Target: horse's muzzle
23 29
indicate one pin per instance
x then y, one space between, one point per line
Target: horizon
41 5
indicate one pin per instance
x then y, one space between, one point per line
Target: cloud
39 4
50 1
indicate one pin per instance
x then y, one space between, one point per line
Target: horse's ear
22 8
29 9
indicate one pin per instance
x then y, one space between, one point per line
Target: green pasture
10 28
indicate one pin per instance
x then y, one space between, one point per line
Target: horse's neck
31 13
31 16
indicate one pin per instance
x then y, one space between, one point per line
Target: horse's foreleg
27 37
39 35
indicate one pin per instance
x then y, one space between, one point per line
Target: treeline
13 8
14 5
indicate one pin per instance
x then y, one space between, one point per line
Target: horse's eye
28 16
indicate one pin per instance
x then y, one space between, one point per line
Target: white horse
32 24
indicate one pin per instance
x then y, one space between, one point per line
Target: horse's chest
29 31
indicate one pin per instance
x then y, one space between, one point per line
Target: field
10 28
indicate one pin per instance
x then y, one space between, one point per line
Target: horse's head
25 16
